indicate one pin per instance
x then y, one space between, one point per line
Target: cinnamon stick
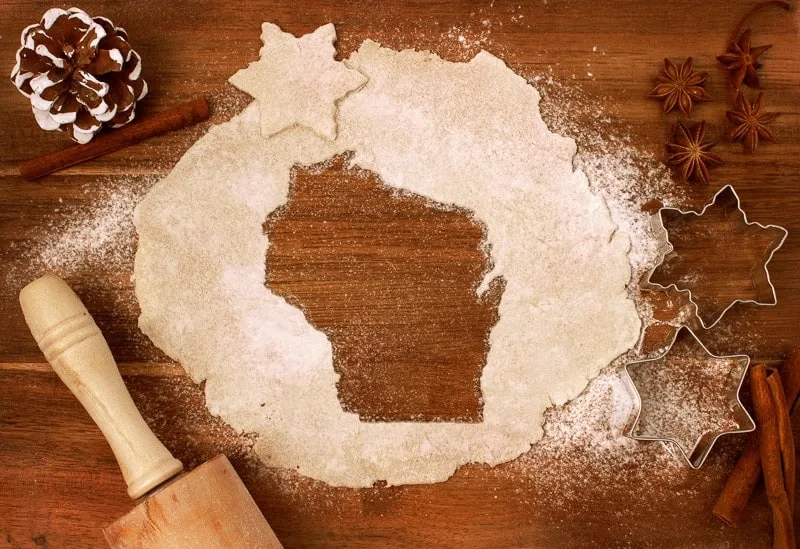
175 118
785 437
790 377
731 502
733 499
771 466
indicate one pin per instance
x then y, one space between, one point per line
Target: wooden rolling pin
207 508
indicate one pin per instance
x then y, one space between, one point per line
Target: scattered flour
101 234
98 235
423 125
627 177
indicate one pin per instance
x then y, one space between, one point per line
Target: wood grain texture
59 483
208 508
380 257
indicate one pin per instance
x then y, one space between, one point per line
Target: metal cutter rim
629 431
667 247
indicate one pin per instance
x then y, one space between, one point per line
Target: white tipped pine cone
79 72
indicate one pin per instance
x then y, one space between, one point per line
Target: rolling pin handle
79 354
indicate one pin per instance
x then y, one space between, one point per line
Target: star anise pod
680 86
749 122
740 60
690 154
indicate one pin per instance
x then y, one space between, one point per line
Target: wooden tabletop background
59 483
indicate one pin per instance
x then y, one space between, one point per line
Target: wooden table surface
59 483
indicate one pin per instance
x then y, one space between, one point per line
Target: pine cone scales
79 72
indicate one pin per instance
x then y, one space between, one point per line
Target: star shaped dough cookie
297 81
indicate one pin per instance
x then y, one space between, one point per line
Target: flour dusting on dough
468 134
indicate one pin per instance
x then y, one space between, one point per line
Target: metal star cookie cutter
736 217
697 454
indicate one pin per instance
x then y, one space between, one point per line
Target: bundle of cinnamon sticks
769 452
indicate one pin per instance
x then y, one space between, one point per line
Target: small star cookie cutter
699 451
728 199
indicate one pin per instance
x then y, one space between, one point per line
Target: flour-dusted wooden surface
59 483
